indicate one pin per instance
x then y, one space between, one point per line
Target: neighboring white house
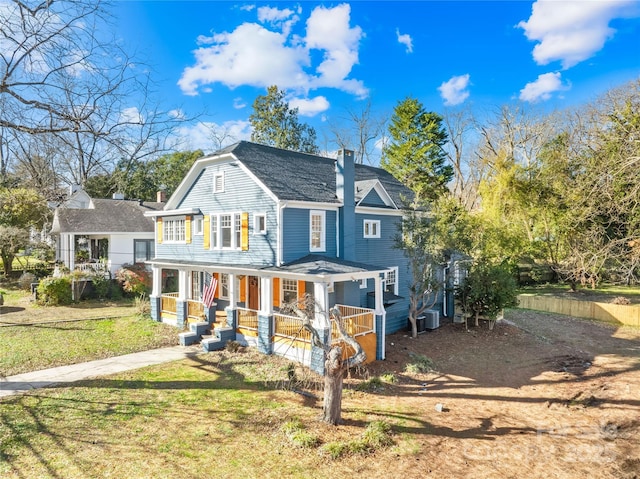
103 234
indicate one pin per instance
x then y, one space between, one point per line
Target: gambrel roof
295 176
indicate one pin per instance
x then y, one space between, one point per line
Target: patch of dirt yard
540 396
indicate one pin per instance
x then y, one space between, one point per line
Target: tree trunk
333 377
7 261
414 326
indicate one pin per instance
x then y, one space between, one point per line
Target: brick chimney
345 186
161 196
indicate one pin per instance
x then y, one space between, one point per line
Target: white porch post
157 281
380 311
72 251
233 291
183 284
321 295
266 296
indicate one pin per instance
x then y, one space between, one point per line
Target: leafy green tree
20 209
414 153
486 291
275 124
427 239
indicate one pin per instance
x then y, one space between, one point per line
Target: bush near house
54 291
134 279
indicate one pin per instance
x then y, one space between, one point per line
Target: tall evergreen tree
414 153
275 124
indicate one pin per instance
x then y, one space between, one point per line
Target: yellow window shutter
301 288
245 231
217 277
276 292
243 289
206 230
159 230
187 229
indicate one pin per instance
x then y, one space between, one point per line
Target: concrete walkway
75 372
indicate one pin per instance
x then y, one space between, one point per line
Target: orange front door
254 293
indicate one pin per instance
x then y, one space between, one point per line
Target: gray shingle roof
298 176
107 216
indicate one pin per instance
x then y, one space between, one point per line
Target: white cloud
258 56
202 135
309 106
239 103
572 31
455 90
177 114
406 40
543 87
131 115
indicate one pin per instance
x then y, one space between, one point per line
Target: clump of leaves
419 363
378 435
233 346
620 300
134 279
54 291
296 433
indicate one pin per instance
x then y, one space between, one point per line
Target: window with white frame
218 183
260 224
196 285
391 280
224 286
173 230
372 228
289 290
226 231
197 225
143 250
317 231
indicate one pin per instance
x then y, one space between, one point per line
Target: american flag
209 292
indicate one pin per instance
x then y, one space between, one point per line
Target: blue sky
216 57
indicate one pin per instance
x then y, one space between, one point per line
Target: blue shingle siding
296 233
241 194
373 199
380 252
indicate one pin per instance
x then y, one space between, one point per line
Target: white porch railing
356 321
290 327
92 268
248 319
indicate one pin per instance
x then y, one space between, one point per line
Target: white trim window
226 231
218 183
371 228
198 222
391 280
289 290
173 230
196 285
260 224
317 231
224 286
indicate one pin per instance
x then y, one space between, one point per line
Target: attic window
218 183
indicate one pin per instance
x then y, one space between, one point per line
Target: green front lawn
41 346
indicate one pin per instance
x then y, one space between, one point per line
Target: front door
254 293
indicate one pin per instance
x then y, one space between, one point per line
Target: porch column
265 316
321 324
381 318
181 300
233 302
72 251
156 292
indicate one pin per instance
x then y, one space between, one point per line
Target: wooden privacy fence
614 313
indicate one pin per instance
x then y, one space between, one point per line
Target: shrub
142 305
134 279
101 285
54 291
419 364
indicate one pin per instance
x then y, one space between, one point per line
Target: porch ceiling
315 268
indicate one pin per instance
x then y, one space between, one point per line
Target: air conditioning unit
431 319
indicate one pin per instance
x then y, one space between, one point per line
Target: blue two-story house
271 225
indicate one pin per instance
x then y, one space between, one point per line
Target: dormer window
218 183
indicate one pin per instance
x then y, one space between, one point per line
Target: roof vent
118 196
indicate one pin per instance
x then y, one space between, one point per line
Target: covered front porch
249 300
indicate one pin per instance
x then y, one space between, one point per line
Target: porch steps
219 339
195 333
